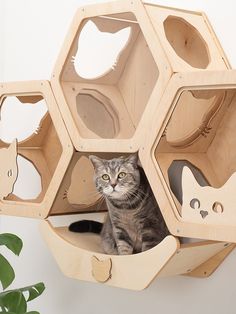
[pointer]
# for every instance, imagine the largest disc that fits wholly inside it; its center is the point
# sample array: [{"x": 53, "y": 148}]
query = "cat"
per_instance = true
[
  {"x": 20, "y": 120},
  {"x": 98, "y": 52},
  {"x": 205, "y": 204},
  {"x": 134, "y": 222},
  {"x": 8, "y": 169}
]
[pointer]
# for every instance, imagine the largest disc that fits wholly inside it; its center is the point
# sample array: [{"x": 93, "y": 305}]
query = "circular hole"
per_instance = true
[
  {"x": 195, "y": 203},
  {"x": 187, "y": 42},
  {"x": 97, "y": 113},
  {"x": 218, "y": 208}
]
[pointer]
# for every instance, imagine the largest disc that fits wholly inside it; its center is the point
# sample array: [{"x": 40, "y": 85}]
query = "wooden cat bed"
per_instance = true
[
  {"x": 79, "y": 256},
  {"x": 48, "y": 148},
  {"x": 161, "y": 73},
  {"x": 113, "y": 107},
  {"x": 195, "y": 124}
]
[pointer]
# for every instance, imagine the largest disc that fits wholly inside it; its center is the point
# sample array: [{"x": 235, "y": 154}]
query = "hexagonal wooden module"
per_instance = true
[
  {"x": 35, "y": 145},
  {"x": 115, "y": 64},
  {"x": 109, "y": 79},
  {"x": 192, "y": 163},
  {"x": 109, "y": 108}
]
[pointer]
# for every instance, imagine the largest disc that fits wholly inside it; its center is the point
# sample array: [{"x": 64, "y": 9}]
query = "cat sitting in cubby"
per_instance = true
[{"x": 134, "y": 222}]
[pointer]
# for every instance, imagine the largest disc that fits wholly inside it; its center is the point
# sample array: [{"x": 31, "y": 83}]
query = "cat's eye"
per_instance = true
[
  {"x": 121, "y": 175},
  {"x": 10, "y": 173},
  {"x": 105, "y": 177},
  {"x": 195, "y": 203}
]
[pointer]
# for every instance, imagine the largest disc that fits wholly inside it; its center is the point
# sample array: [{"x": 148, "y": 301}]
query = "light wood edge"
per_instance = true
[
  {"x": 179, "y": 82},
  {"x": 210, "y": 266},
  {"x": 74, "y": 262},
  {"x": 214, "y": 49},
  {"x": 173, "y": 8},
  {"x": 216, "y": 40},
  {"x": 42, "y": 87},
  {"x": 125, "y": 145}
]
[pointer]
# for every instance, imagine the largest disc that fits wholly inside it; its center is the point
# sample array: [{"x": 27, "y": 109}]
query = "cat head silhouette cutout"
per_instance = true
[
  {"x": 82, "y": 190},
  {"x": 8, "y": 169},
  {"x": 206, "y": 204},
  {"x": 20, "y": 120},
  {"x": 98, "y": 52},
  {"x": 101, "y": 270},
  {"x": 28, "y": 185}
]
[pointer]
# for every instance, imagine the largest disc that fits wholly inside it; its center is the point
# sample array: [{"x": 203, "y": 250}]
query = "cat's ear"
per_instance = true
[
  {"x": 133, "y": 159},
  {"x": 188, "y": 180},
  {"x": 96, "y": 161}
]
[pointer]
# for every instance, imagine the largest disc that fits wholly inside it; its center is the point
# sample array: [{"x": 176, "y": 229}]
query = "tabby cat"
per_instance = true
[{"x": 134, "y": 222}]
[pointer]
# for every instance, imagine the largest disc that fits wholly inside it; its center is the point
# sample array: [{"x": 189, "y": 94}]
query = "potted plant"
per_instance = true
[{"x": 15, "y": 301}]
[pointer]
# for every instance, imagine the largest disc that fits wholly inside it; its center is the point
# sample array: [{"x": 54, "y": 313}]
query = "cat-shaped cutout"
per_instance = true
[
  {"x": 82, "y": 191},
  {"x": 205, "y": 204},
  {"x": 192, "y": 117},
  {"x": 20, "y": 120},
  {"x": 8, "y": 169},
  {"x": 101, "y": 270},
  {"x": 28, "y": 185},
  {"x": 98, "y": 52}
]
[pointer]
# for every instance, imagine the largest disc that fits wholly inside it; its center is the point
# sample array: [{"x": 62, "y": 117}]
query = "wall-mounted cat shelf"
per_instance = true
[
  {"x": 204, "y": 104},
  {"x": 154, "y": 92},
  {"x": 114, "y": 103},
  {"x": 29, "y": 113},
  {"x": 84, "y": 259}
]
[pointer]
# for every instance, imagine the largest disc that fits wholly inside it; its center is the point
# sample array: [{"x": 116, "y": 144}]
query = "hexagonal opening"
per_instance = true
[
  {"x": 108, "y": 102},
  {"x": 30, "y": 167},
  {"x": 78, "y": 195},
  {"x": 199, "y": 134},
  {"x": 186, "y": 41}
]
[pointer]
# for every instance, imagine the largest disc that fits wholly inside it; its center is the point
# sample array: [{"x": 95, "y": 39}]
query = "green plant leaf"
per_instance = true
[
  {"x": 7, "y": 273},
  {"x": 34, "y": 290},
  {"x": 12, "y": 242},
  {"x": 14, "y": 301}
]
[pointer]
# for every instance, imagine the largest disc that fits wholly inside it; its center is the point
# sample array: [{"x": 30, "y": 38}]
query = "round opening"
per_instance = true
[
  {"x": 187, "y": 42},
  {"x": 97, "y": 113}
]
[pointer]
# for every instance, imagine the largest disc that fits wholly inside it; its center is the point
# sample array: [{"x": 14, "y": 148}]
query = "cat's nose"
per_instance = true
[{"x": 113, "y": 185}]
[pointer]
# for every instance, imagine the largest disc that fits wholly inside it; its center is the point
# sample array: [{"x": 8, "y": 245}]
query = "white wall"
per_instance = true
[{"x": 33, "y": 34}]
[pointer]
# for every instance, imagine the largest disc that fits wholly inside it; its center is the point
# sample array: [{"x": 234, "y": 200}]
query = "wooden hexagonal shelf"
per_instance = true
[
  {"x": 190, "y": 157},
  {"x": 115, "y": 64},
  {"x": 43, "y": 149},
  {"x": 131, "y": 101}
]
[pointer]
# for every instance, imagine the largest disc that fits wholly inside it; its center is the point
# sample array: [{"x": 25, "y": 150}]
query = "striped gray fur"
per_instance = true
[{"x": 134, "y": 222}]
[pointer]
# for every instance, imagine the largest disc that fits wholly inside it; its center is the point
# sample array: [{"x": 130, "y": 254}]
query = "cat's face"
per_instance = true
[
  {"x": 116, "y": 178},
  {"x": 8, "y": 169}
]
